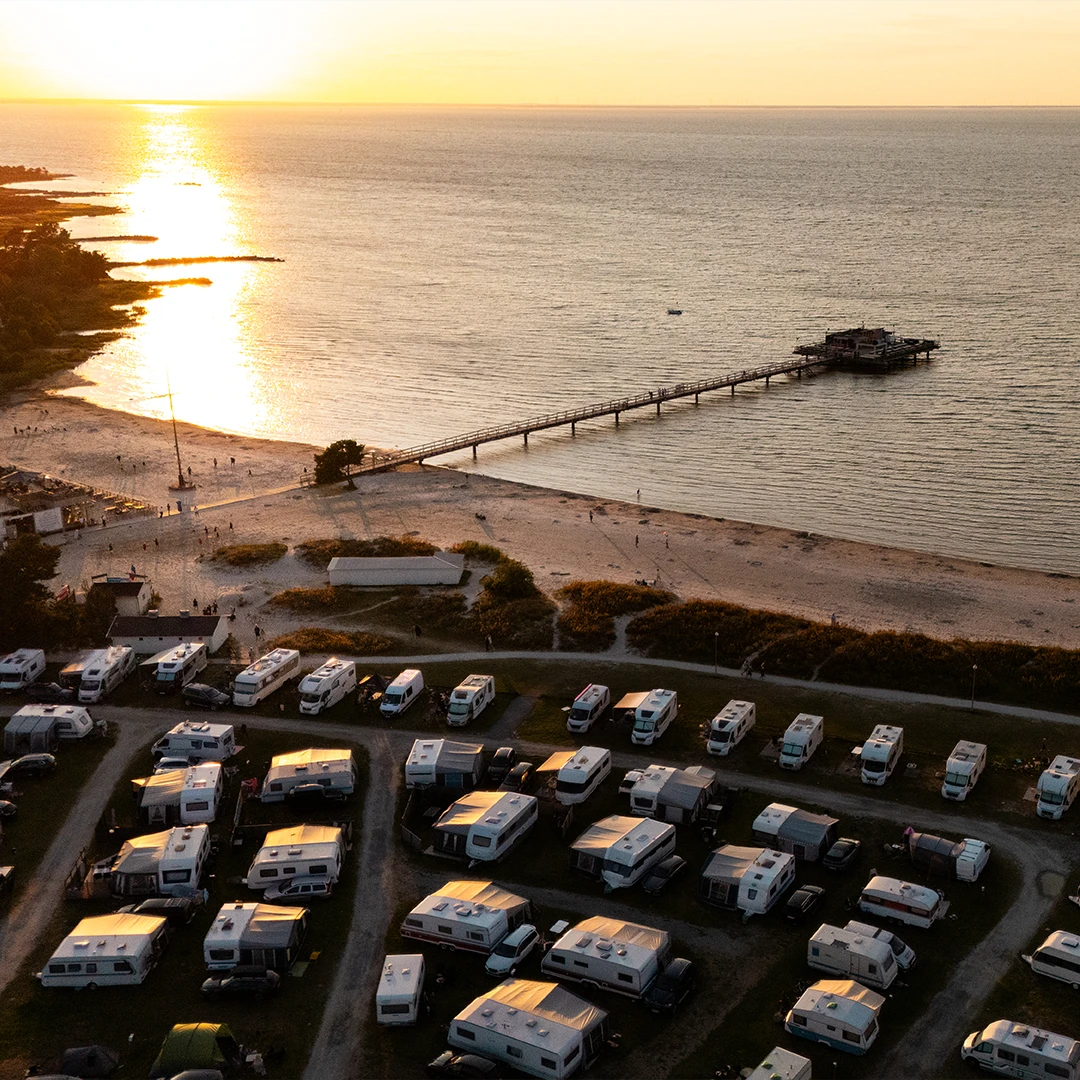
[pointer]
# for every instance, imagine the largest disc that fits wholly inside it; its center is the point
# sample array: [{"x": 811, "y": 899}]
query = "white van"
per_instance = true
[
  {"x": 852, "y": 956},
  {"x": 728, "y": 727},
  {"x": 1020, "y": 1050},
  {"x": 963, "y": 769},
  {"x": 881, "y": 753},
  {"x": 1058, "y": 787},
  {"x": 469, "y": 699},
  {"x": 890, "y": 898},
  {"x": 326, "y": 686},
  {"x": 404, "y": 691},
  {"x": 654, "y": 716},
  {"x": 108, "y": 670},
  {"x": 588, "y": 707},
  {"x": 72, "y": 721},
  {"x": 582, "y": 775},
  {"x": 19, "y": 669},
  {"x": 401, "y": 988},
  {"x": 177, "y": 667},
  {"x": 801, "y": 739},
  {"x": 1058, "y": 957}
]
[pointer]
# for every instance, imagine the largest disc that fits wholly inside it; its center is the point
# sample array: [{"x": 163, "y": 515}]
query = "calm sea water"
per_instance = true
[{"x": 448, "y": 269}]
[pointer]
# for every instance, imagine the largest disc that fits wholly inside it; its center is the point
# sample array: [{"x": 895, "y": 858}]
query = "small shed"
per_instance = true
[
  {"x": 28, "y": 734},
  {"x": 442, "y": 568}
]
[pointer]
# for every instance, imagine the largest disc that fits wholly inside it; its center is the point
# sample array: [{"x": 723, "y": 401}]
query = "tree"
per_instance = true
[
  {"x": 333, "y": 463},
  {"x": 24, "y": 614}
]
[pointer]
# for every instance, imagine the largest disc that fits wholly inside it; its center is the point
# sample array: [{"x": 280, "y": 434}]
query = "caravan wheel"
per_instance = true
[
  {"x": 91, "y": 986},
  {"x": 1076, "y": 986}
]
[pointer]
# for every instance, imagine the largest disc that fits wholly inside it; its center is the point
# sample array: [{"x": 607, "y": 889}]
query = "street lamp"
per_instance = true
[
  {"x": 974, "y": 669},
  {"x": 715, "y": 652}
]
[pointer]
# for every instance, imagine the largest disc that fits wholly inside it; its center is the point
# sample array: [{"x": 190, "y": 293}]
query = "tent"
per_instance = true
[
  {"x": 89, "y": 1061},
  {"x": 935, "y": 853},
  {"x": 196, "y": 1046},
  {"x": 28, "y": 734}
]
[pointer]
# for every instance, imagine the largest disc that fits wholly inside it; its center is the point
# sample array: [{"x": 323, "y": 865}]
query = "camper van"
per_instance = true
[
  {"x": 1057, "y": 787},
  {"x": 105, "y": 673},
  {"x": 1058, "y": 957},
  {"x": 915, "y": 905},
  {"x": 326, "y": 686},
  {"x": 107, "y": 950},
  {"x": 190, "y": 739},
  {"x": 588, "y": 707},
  {"x": 622, "y": 850},
  {"x": 881, "y": 752},
  {"x": 469, "y": 699},
  {"x": 261, "y": 679},
  {"x": 609, "y": 953},
  {"x": 332, "y": 770},
  {"x": 905, "y": 955},
  {"x": 1026, "y": 1052},
  {"x": 729, "y": 726},
  {"x": 179, "y": 666},
  {"x": 72, "y": 721},
  {"x": 470, "y": 915},
  {"x": 485, "y": 826},
  {"x": 401, "y": 988},
  {"x": 19, "y": 669},
  {"x": 963, "y": 769},
  {"x": 310, "y": 851},
  {"x": 582, "y": 775},
  {"x": 654, "y": 716},
  {"x": 801, "y": 739},
  {"x": 852, "y": 956},
  {"x": 404, "y": 691},
  {"x": 840, "y": 1013}
]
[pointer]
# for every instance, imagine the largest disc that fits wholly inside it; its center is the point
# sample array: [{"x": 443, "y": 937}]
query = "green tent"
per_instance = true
[{"x": 196, "y": 1046}]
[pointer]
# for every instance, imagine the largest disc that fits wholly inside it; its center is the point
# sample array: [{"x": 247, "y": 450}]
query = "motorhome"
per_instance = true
[
  {"x": 963, "y": 769},
  {"x": 840, "y": 1013},
  {"x": 676, "y": 795},
  {"x": 622, "y": 850},
  {"x": 179, "y": 666},
  {"x": 537, "y": 1028},
  {"x": 107, "y": 950},
  {"x": 470, "y": 915},
  {"x": 72, "y": 721},
  {"x": 1057, "y": 787},
  {"x": 588, "y": 707},
  {"x": 654, "y": 716},
  {"x": 801, "y": 739},
  {"x": 852, "y": 956},
  {"x": 194, "y": 739},
  {"x": 261, "y": 679},
  {"x": 961, "y": 859},
  {"x": 333, "y": 770},
  {"x": 404, "y": 691},
  {"x": 1021, "y": 1050},
  {"x": 469, "y": 699},
  {"x": 881, "y": 752},
  {"x": 915, "y": 905},
  {"x": 180, "y": 796},
  {"x": 440, "y": 763},
  {"x": 485, "y": 826},
  {"x": 167, "y": 863},
  {"x": 19, "y": 669},
  {"x": 750, "y": 880},
  {"x": 582, "y": 774},
  {"x": 311, "y": 851},
  {"x": 781, "y": 1064},
  {"x": 326, "y": 686},
  {"x": 1058, "y": 957},
  {"x": 905, "y": 955},
  {"x": 400, "y": 990},
  {"x": 257, "y": 935},
  {"x": 802, "y": 834},
  {"x": 729, "y": 726},
  {"x": 614, "y": 955},
  {"x": 106, "y": 672}
]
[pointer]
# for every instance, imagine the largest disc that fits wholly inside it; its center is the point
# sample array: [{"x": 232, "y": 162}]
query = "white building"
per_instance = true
[
  {"x": 106, "y": 950},
  {"x": 442, "y": 568},
  {"x": 153, "y": 633}
]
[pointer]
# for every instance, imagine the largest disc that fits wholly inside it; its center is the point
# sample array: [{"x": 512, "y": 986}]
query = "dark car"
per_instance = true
[
  {"x": 450, "y": 1064},
  {"x": 175, "y": 910},
  {"x": 671, "y": 986},
  {"x": 32, "y": 765},
  {"x": 841, "y": 855},
  {"x": 504, "y": 760},
  {"x": 242, "y": 980},
  {"x": 206, "y": 697},
  {"x": 519, "y": 778},
  {"x": 7, "y": 809},
  {"x": 49, "y": 693},
  {"x": 657, "y": 879},
  {"x": 802, "y": 902}
]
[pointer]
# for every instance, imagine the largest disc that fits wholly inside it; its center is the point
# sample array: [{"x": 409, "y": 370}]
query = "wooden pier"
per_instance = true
[{"x": 874, "y": 349}]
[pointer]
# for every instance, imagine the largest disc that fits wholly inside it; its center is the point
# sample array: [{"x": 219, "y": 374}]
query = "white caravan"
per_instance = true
[
  {"x": 485, "y": 826},
  {"x": 326, "y": 686},
  {"x": 440, "y": 763},
  {"x": 309, "y": 851},
  {"x": 609, "y": 953},
  {"x": 263, "y": 935},
  {"x": 334, "y": 770},
  {"x": 1023, "y": 1051},
  {"x": 106, "y": 950},
  {"x": 72, "y": 721},
  {"x": 915, "y": 905},
  {"x": 19, "y": 669},
  {"x": 194, "y": 739},
  {"x": 750, "y": 880},
  {"x": 881, "y": 752},
  {"x": 680, "y": 796},
  {"x": 588, "y": 707},
  {"x": 469, "y": 699},
  {"x": 840, "y": 1013},
  {"x": 622, "y": 850},
  {"x": 1058, "y": 957},
  {"x": 261, "y": 679},
  {"x": 404, "y": 691},
  {"x": 106, "y": 672},
  {"x": 801, "y": 739},
  {"x": 201, "y": 793},
  {"x": 729, "y": 726},
  {"x": 963, "y": 769},
  {"x": 654, "y": 716},
  {"x": 401, "y": 988},
  {"x": 852, "y": 956},
  {"x": 470, "y": 915},
  {"x": 1057, "y": 787},
  {"x": 582, "y": 775},
  {"x": 781, "y": 1064},
  {"x": 905, "y": 955},
  {"x": 167, "y": 863},
  {"x": 177, "y": 667}
]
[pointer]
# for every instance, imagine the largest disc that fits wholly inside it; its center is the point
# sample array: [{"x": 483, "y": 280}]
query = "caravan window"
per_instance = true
[
  {"x": 198, "y": 805},
  {"x": 175, "y": 877},
  {"x": 390, "y": 1010},
  {"x": 1056, "y": 1070},
  {"x": 288, "y": 869},
  {"x": 271, "y": 872},
  {"x": 122, "y": 967},
  {"x": 573, "y": 1054},
  {"x": 91, "y": 969},
  {"x": 313, "y": 870},
  {"x": 548, "y": 1063},
  {"x": 418, "y": 923},
  {"x": 513, "y": 1051},
  {"x": 555, "y": 959},
  {"x": 465, "y": 1033},
  {"x": 797, "y": 1019},
  {"x": 581, "y": 963},
  {"x": 625, "y": 978},
  {"x": 850, "y": 1036},
  {"x": 74, "y": 967},
  {"x": 445, "y": 929},
  {"x": 481, "y": 841},
  {"x": 56, "y": 969},
  {"x": 222, "y": 954},
  {"x": 475, "y": 935}
]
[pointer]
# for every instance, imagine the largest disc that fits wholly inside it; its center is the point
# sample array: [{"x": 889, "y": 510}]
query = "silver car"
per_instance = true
[{"x": 512, "y": 950}]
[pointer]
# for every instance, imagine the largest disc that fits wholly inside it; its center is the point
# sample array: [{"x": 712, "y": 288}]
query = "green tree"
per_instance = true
[
  {"x": 334, "y": 462},
  {"x": 25, "y": 563}
]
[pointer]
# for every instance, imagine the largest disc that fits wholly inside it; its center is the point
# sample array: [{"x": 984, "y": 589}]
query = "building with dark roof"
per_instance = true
[{"x": 152, "y": 633}]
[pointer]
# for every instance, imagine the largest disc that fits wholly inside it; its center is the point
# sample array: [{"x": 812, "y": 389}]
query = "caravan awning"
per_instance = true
[
  {"x": 802, "y": 827},
  {"x": 481, "y": 892},
  {"x": 599, "y": 837},
  {"x": 684, "y": 789},
  {"x": 141, "y": 854},
  {"x": 161, "y": 790},
  {"x": 729, "y": 863},
  {"x": 273, "y": 927},
  {"x": 549, "y": 1001},
  {"x": 308, "y": 757},
  {"x": 299, "y": 835},
  {"x": 474, "y": 807},
  {"x": 645, "y": 937}
]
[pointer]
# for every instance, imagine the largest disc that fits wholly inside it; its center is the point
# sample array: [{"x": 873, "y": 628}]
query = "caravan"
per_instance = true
[
  {"x": 470, "y": 915},
  {"x": 199, "y": 741},
  {"x": 852, "y": 956},
  {"x": 72, "y": 721},
  {"x": 1057, "y": 787},
  {"x": 107, "y": 950},
  {"x": 469, "y": 699},
  {"x": 806, "y": 836},
  {"x": 309, "y": 851},
  {"x": 326, "y": 686},
  {"x": 915, "y": 905},
  {"x": 750, "y": 880},
  {"x": 611, "y": 954},
  {"x": 801, "y": 739},
  {"x": 881, "y": 752},
  {"x": 654, "y": 716},
  {"x": 104, "y": 672},
  {"x": 177, "y": 667},
  {"x": 963, "y": 769},
  {"x": 729, "y": 726},
  {"x": 680, "y": 796},
  {"x": 622, "y": 850},
  {"x": 401, "y": 988},
  {"x": 255, "y": 935},
  {"x": 582, "y": 775},
  {"x": 162, "y": 864},
  {"x": 180, "y": 796},
  {"x": 201, "y": 793},
  {"x": 1023, "y": 1051},
  {"x": 588, "y": 707},
  {"x": 404, "y": 691},
  {"x": 1058, "y": 957},
  {"x": 440, "y": 763},
  {"x": 781, "y": 1064},
  {"x": 840, "y": 1013},
  {"x": 331, "y": 770},
  {"x": 261, "y": 679},
  {"x": 485, "y": 826},
  {"x": 905, "y": 954},
  {"x": 19, "y": 669}
]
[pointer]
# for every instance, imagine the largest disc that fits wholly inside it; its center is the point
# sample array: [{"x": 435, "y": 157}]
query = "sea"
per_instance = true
[{"x": 447, "y": 269}]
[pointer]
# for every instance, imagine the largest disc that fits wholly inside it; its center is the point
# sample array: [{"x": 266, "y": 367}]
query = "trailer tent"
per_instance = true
[{"x": 196, "y": 1046}]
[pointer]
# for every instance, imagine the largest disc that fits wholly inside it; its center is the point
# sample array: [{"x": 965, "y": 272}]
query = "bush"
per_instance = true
[
  {"x": 318, "y": 553},
  {"x": 318, "y": 639},
  {"x": 484, "y": 553},
  {"x": 589, "y": 620},
  {"x": 515, "y": 624},
  {"x": 433, "y": 611},
  {"x": 325, "y": 598},
  {"x": 510, "y": 580},
  {"x": 240, "y": 555}
]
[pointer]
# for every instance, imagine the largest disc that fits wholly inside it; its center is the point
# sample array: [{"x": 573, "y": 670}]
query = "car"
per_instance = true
[
  {"x": 450, "y": 1064},
  {"x": 842, "y": 854},
  {"x": 242, "y": 980},
  {"x": 7, "y": 809},
  {"x": 802, "y": 902},
  {"x": 175, "y": 910},
  {"x": 315, "y": 792},
  {"x": 670, "y": 987},
  {"x": 299, "y": 888},
  {"x": 629, "y": 780},
  {"x": 32, "y": 765},
  {"x": 504, "y": 760},
  {"x": 167, "y": 764},
  {"x": 519, "y": 778},
  {"x": 49, "y": 693},
  {"x": 206, "y": 697},
  {"x": 657, "y": 879},
  {"x": 512, "y": 950}
]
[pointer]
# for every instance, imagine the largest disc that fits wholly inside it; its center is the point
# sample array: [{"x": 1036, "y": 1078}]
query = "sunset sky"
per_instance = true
[{"x": 567, "y": 52}]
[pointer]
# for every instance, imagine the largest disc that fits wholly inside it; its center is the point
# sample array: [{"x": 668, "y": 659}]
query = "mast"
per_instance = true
[{"x": 181, "y": 483}]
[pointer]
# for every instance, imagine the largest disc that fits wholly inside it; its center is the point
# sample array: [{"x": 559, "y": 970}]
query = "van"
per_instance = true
[
  {"x": 728, "y": 727},
  {"x": 654, "y": 716},
  {"x": 963, "y": 769},
  {"x": 801, "y": 739},
  {"x": 915, "y": 905},
  {"x": 881, "y": 753},
  {"x": 1030, "y": 1053},
  {"x": 326, "y": 686},
  {"x": 72, "y": 721},
  {"x": 179, "y": 666},
  {"x": 1058, "y": 957},
  {"x": 852, "y": 956},
  {"x": 582, "y": 775},
  {"x": 19, "y": 669},
  {"x": 404, "y": 691},
  {"x": 1057, "y": 787},
  {"x": 108, "y": 670},
  {"x": 469, "y": 699},
  {"x": 588, "y": 707}
]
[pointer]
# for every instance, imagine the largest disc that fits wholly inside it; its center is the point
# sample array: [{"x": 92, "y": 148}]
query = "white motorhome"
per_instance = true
[
  {"x": 72, "y": 721},
  {"x": 260, "y": 935},
  {"x": 310, "y": 851},
  {"x": 963, "y": 769},
  {"x": 582, "y": 774},
  {"x": 19, "y": 669},
  {"x": 470, "y": 915},
  {"x": 1020, "y": 1050},
  {"x": 1058, "y": 957},
  {"x": 261, "y": 679},
  {"x": 1057, "y": 787},
  {"x": 106, "y": 672},
  {"x": 107, "y": 950},
  {"x": 841, "y": 1013},
  {"x": 179, "y": 666},
  {"x": 588, "y": 707},
  {"x": 905, "y": 955},
  {"x": 401, "y": 988},
  {"x": 469, "y": 699},
  {"x": 676, "y": 795},
  {"x": 750, "y": 880},
  {"x": 915, "y": 905},
  {"x": 162, "y": 864},
  {"x": 654, "y": 716},
  {"x": 404, "y": 691},
  {"x": 881, "y": 752},
  {"x": 331, "y": 769},
  {"x": 441, "y": 763},
  {"x": 326, "y": 686},
  {"x": 609, "y": 953},
  {"x": 485, "y": 826},
  {"x": 801, "y": 739},
  {"x": 729, "y": 726},
  {"x": 781, "y": 1064},
  {"x": 622, "y": 850},
  {"x": 852, "y": 956},
  {"x": 194, "y": 739}
]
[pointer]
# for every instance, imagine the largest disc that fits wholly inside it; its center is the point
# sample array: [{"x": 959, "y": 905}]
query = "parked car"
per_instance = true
[
  {"x": 32, "y": 765},
  {"x": 657, "y": 879},
  {"x": 670, "y": 987},
  {"x": 519, "y": 778},
  {"x": 842, "y": 854},
  {"x": 802, "y": 902},
  {"x": 167, "y": 764},
  {"x": 206, "y": 697},
  {"x": 176, "y": 910},
  {"x": 629, "y": 780},
  {"x": 512, "y": 950},
  {"x": 450, "y": 1064},
  {"x": 49, "y": 693},
  {"x": 316, "y": 793},
  {"x": 299, "y": 888},
  {"x": 504, "y": 760},
  {"x": 242, "y": 980}
]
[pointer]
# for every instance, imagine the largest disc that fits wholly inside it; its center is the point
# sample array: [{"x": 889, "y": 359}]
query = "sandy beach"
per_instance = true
[{"x": 254, "y": 494}]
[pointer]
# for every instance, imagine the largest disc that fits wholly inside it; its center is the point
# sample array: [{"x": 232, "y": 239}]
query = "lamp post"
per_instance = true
[
  {"x": 974, "y": 669},
  {"x": 715, "y": 652}
]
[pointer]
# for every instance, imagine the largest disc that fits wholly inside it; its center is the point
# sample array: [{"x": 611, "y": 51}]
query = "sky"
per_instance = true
[{"x": 546, "y": 52}]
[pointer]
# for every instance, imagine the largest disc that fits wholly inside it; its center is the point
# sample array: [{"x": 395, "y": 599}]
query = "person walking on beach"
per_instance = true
[
  {"x": 636, "y": 539},
  {"x": 258, "y": 631}
]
